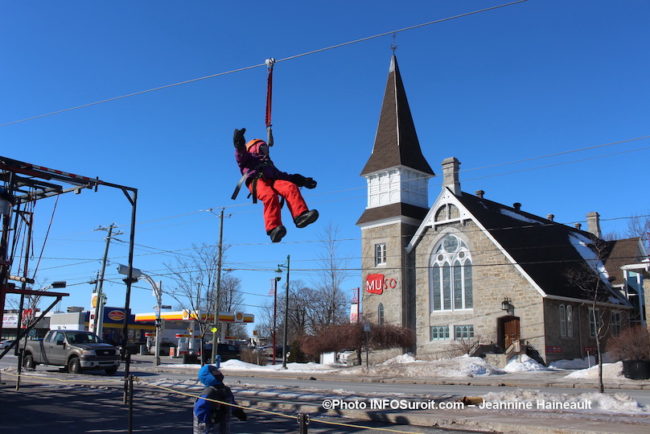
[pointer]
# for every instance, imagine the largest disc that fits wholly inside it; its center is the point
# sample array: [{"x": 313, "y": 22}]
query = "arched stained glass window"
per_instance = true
[{"x": 450, "y": 279}]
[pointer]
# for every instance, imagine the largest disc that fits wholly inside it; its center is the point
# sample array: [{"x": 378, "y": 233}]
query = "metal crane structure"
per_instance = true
[{"x": 22, "y": 184}]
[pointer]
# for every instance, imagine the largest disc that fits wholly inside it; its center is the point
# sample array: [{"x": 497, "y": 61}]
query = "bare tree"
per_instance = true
[
  {"x": 330, "y": 302},
  {"x": 639, "y": 226},
  {"x": 195, "y": 277},
  {"x": 593, "y": 283},
  {"x": 231, "y": 301}
]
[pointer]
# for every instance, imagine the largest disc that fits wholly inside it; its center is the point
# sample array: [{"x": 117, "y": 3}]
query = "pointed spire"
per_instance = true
[{"x": 396, "y": 142}]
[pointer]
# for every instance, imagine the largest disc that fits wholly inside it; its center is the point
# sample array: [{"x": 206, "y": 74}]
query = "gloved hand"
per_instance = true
[
  {"x": 301, "y": 181},
  {"x": 238, "y": 138},
  {"x": 309, "y": 183},
  {"x": 239, "y": 414}
]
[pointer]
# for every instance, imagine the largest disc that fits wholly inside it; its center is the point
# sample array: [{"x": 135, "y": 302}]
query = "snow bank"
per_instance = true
[
  {"x": 406, "y": 366},
  {"x": 523, "y": 363},
  {"x": 610, "y": 370},
  {"x": 238, "y": 365},
  {"x": 573, "y": 364},
  {"x": 402, "y": 358}
]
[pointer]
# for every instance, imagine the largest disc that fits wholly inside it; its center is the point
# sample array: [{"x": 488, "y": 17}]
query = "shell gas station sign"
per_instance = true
[{"x": 186, "y": 315}]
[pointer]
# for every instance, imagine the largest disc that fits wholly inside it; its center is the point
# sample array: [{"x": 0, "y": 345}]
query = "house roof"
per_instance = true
[
  {"x": 547, "y": 251},
  {"x": 396, "y": 142},
  {"x": 620, "y": 253},
  {"x": 392, "y": 210}
]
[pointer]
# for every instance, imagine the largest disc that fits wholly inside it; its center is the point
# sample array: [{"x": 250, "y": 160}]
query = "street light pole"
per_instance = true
[
  {"x": 137, "y": 274},
  {"x": 286, "y": 313},
  {"x": 275, "y": 312}
]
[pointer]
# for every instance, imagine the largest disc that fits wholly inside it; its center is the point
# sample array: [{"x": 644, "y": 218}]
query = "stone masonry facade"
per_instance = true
[
  {"x": 395, "y": 299},
  {"x": 494, "y": 278}
]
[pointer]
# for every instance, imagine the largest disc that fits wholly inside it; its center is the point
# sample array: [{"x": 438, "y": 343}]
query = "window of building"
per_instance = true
[
  {"x": 439, "y": 333},
  {"x": 569, "y": 321},
  {"x": 450, "y": 278},
  {"x": 562, "y": 321},
  {"x": 463, "y": 332},
  {"x": 380, "y": 314},
  {"x": 380, "y": 254},
  {"x": 615, "y": 323}
]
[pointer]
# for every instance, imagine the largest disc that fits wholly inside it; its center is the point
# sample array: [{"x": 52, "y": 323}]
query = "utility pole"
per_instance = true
[
  {"x": 217, "y": 306},
  {"x": 99, "y": 305},
  {"x": 158, "y": 293}
]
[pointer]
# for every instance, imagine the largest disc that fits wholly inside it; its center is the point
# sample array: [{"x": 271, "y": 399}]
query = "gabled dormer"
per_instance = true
[{"x": 397, "y": 173}]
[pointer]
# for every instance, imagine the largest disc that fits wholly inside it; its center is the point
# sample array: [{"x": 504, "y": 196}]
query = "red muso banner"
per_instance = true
[{"x": 377, "y": 283}]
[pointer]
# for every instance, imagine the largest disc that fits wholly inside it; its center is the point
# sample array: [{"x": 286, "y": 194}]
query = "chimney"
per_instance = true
[
  {"x": 593, "y": 223},
  {"x": 516, "y": 206},
  {"x": 578, "y": 226},
  {"x": 550, "y": 217},
  {"x": 480, "y": 193},
  {"x": 450, "y": 171}
]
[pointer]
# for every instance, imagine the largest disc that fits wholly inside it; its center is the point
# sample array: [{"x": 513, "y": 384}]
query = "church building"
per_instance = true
[{"x": 471, "y": 271}]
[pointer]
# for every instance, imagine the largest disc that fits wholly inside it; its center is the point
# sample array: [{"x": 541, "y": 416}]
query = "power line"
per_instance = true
[
  {"x": 245, "y": 68},
  {"x": 556, "y": 154},
  {"x": 230, "y": 267}
]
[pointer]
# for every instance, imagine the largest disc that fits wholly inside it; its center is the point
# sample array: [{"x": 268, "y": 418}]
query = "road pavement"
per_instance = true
[{"x": 155, "y": 399}]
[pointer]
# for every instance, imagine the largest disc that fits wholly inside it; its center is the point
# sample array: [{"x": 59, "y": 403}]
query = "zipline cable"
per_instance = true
[{"x": 245, "y": 68}]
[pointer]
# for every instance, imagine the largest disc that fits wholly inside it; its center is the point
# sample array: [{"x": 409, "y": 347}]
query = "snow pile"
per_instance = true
[
  {"x": 573, "y": 364},
  {"x": 405, "y": 366},
  {"x": 402, "y": 358},
  {"x": 610, "y": 370},
  {"x": 523, "y": 363},
  {"x": 584, "y": 403},
  {"x": 238, "y": 365}
]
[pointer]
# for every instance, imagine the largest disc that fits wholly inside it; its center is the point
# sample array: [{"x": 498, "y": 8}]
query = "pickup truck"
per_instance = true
[{"x": 74, "y": 349}]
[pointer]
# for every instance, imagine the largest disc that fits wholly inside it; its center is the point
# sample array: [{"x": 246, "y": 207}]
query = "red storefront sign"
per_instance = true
[{"x": 377, "y": 283}]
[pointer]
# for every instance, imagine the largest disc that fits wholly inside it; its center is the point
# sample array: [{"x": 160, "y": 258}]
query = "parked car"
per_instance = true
[
  {"x": 75, "y": 349},
  {"x": 226, "y": 351},
  {"x": 5, "y": 343}
]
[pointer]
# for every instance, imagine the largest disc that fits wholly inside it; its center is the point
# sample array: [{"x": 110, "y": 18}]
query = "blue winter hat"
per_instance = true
[{"x": 209, "y": 375}]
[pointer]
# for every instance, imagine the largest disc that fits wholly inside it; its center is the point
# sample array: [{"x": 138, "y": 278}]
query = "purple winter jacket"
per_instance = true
[{"x": 257, "y": 165}]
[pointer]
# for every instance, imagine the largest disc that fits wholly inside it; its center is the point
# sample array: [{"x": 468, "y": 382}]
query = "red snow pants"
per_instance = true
[{"x": 268, "y": 191}]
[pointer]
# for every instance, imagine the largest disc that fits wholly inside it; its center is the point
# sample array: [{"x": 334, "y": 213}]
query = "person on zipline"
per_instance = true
[{"x": 266, "y": 183}]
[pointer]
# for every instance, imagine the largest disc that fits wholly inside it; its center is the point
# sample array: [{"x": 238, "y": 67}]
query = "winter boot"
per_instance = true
[
  {"x": 277, "y": 233},
  {"x": 306, "y": 218}
]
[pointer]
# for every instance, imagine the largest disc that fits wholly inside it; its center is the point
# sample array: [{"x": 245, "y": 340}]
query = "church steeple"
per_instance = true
[
  {"x": 396, "y": 142},
  {"x": 396, "y": 172}
]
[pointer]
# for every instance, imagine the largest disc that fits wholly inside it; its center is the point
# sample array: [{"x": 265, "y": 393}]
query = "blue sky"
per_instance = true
[{"x": 524, "y": 81}]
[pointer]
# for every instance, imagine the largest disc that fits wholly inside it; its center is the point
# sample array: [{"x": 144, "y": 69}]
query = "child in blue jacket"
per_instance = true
[{"x": 212, "y": 417}]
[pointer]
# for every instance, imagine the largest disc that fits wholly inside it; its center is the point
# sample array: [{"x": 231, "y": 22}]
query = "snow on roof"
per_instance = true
[
  {"x": 581, "y": 244},
  {"x": 518, "y": 216}
]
